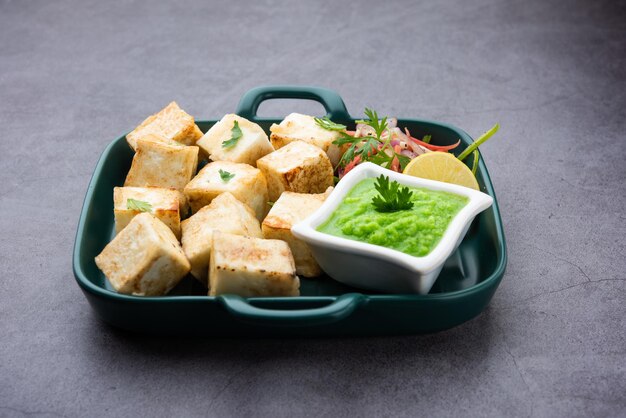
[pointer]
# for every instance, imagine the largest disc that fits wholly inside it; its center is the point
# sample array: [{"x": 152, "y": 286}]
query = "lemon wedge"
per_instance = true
[{"x": 441, "y": 166}]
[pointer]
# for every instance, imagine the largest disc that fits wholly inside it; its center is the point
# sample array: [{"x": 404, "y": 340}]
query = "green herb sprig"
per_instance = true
[
  {"x": 329, "y": 125},
  {"x": 391, "y": 197},
  {"x": 140, "y": 205},
  {"x": 225, "y": 175},
  {"x": 235, "y": 136},
  {"x": 372, "y": 147}
]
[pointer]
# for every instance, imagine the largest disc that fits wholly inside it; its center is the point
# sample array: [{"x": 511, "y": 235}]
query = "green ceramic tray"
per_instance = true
[{"x": 464, "y": 288}]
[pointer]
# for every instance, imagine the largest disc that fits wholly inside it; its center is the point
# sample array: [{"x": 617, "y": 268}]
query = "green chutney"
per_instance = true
[{"x": 414, "y": 231}]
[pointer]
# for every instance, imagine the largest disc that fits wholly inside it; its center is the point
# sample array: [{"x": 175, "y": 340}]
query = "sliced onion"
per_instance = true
[
  {"x": 400, "y": 135},
  {"x": 365, "y": 130},
  {"x": 402, "y": 138},
  {"x": 431, "y": 147},
  {"x": 416, "y": 148}
]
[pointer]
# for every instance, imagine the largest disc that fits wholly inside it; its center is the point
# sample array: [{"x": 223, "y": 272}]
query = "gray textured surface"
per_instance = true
[{"x": 74, "y": 75}]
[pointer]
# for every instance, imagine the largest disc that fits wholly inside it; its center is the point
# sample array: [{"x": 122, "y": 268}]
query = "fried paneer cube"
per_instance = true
[
  {"x": 171, "y": 123},
  {"x": 245, "y": 182},
  {"x": 225, "y": 213},
  {"x": 248, "y": 267},
  {"x": 158, "y": 139},
  {"x": 161, "y": 165},
  {"x": 144, "y": 259},
  {"x": 245, "y": 143},
  {"x": 165, "y": 204},
  {"x": 299, "y": 127},
  {"x": 297, "y": 167},
  {"x": 288, "y": 210}
]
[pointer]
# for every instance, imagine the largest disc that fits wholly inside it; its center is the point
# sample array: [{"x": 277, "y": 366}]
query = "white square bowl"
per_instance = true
[{"x": 374, "y": 267}]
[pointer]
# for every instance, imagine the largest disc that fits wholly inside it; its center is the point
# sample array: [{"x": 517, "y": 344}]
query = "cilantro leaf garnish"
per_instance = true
[
  {"x": 379, "y": 125},
  {"x": 375, "y": 147},
  {"x": 361, "y": 147},
  {"x": 139, "y": 205},
  {"x": 225, "y": 175},
  {"x": 391, "y": 197},
  {"x": 236, "y": 135},
  {"x": 329, "y": 125}
]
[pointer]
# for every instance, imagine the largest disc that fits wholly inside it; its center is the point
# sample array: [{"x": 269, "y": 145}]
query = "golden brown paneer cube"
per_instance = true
[
  {"x": 289, "y": 209},
  {"x": 171, "y": 123},
  {"x": 223, "y": 142},
  {"x": 158, "y": 139},
  {"x": 225, "y": 213},
  {"x": 299, "y": 127},
  {"x": 161, "y": 165},
  {"x": 297, "y": 167},
  {"x": 249, "y": 267},
  {"x": 144, "y": 259},
  {"x": 165, "y": 204},
  {"x": 245, "y": 182}
]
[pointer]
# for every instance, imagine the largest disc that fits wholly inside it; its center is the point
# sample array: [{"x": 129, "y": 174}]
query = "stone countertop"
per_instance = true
[{"x": 75, "y": 75}]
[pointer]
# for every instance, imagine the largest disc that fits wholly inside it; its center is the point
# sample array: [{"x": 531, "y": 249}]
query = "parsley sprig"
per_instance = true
[
  {"x": 329, "y": 125},
  {"x": 235, "y": 135},
  {"x": 371, "y": 148},
  {"x": 391, "y": 197},
  {"x": 140, "y": 205}
]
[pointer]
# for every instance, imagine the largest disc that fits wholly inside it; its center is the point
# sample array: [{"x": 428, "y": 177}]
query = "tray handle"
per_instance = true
[
  {"x": 332, "y": 102},
  {"x": 339, "y": 309}
]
